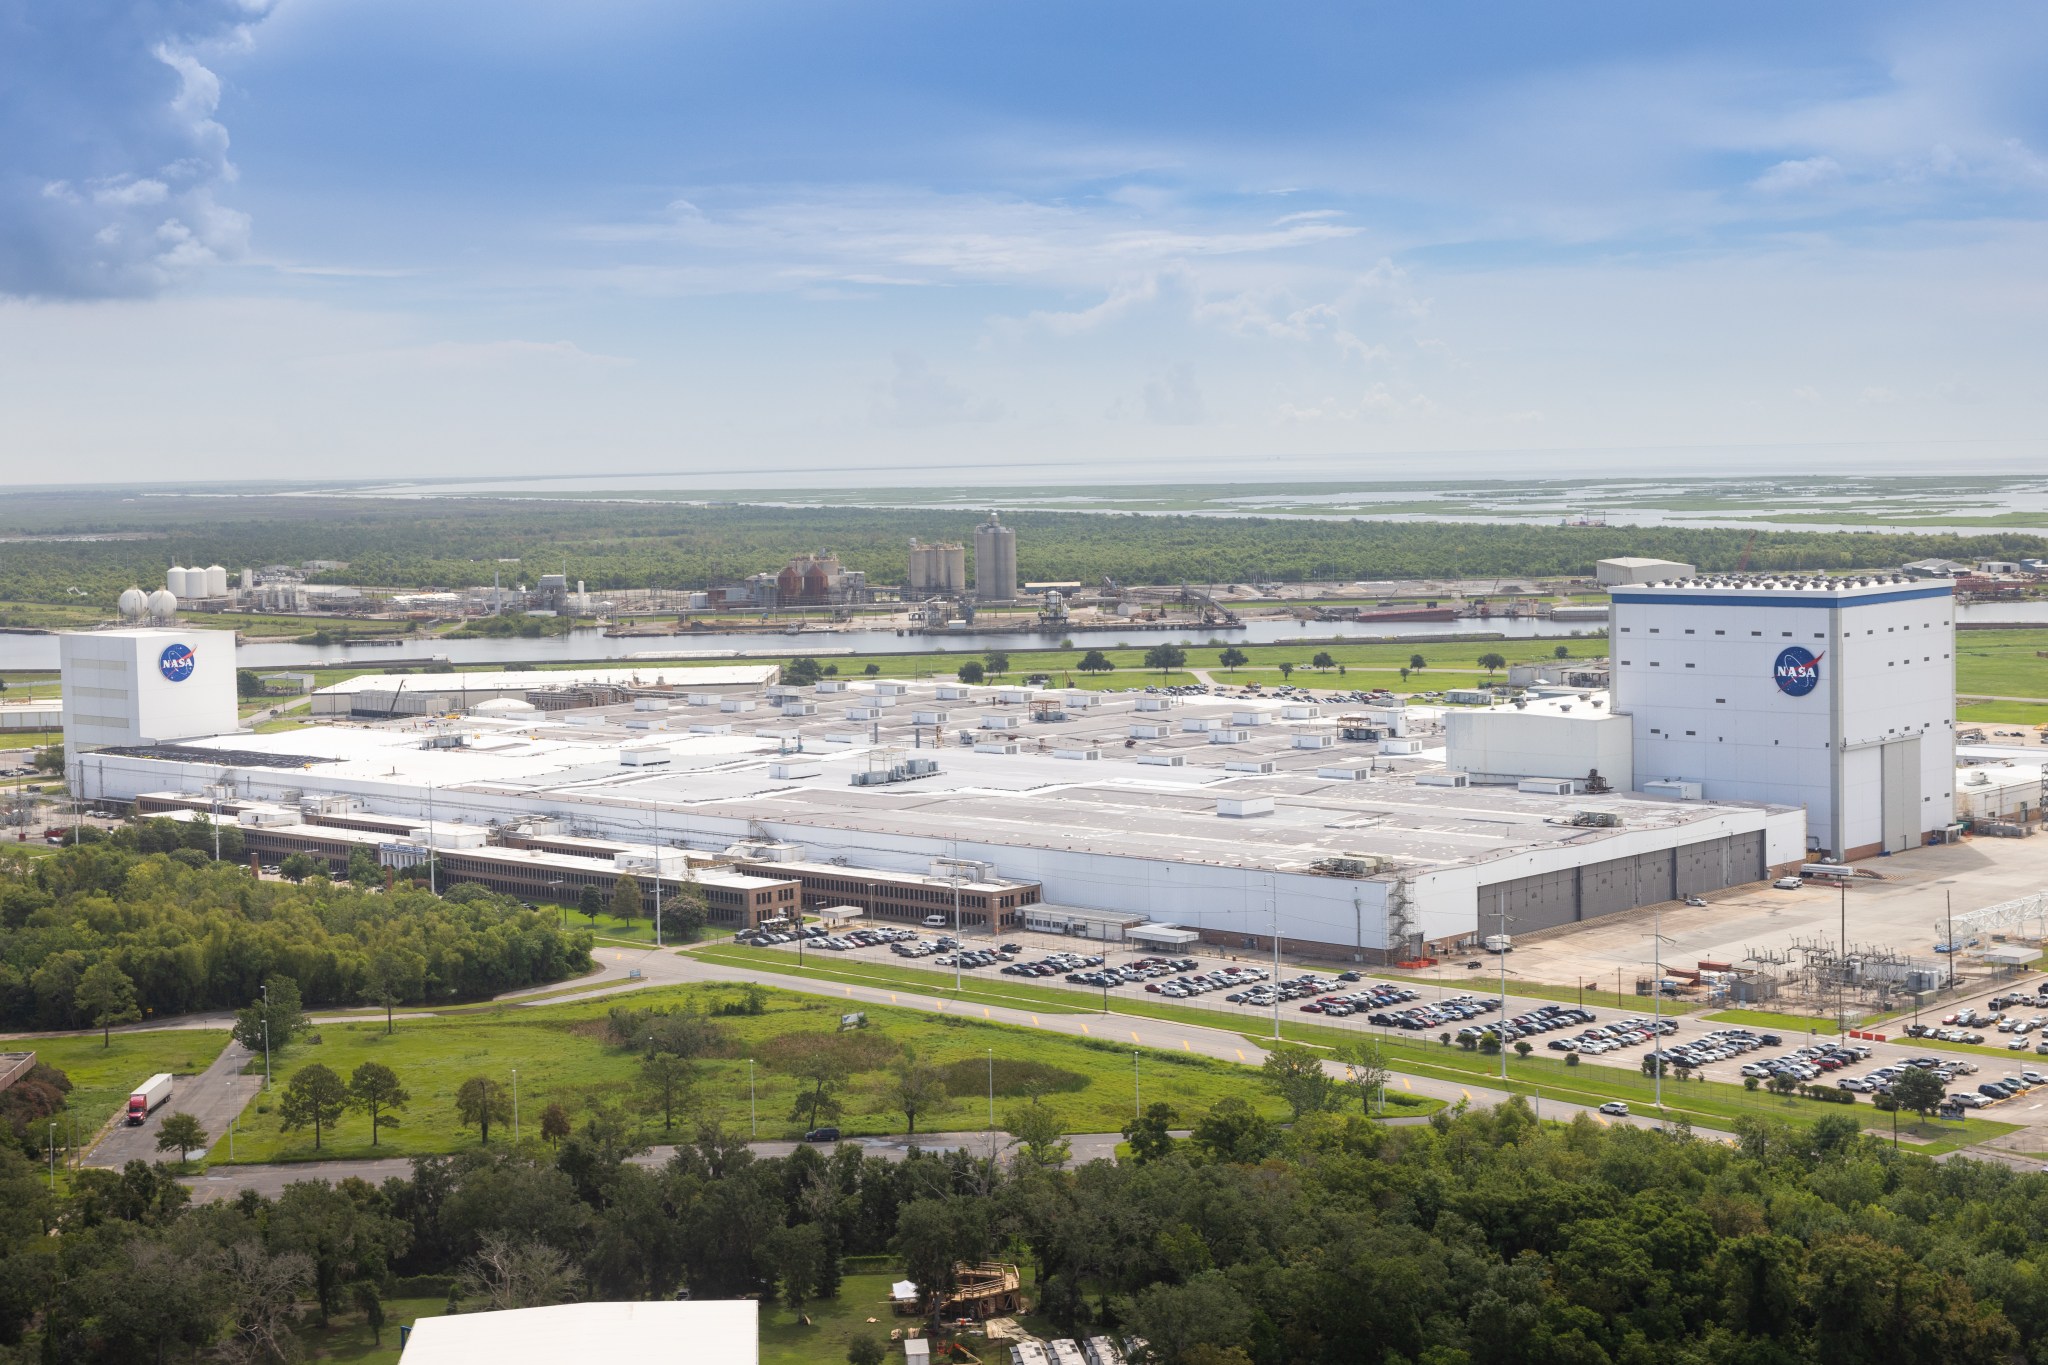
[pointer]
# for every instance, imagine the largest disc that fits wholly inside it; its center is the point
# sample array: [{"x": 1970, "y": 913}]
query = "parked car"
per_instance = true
[
  {"x": 1787, "y": 884},
  {"x": 1615, "y": 1108}
]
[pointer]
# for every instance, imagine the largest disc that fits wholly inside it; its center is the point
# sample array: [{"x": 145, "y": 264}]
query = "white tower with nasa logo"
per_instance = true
[
  {"x": 146, "y": 686},
  {"x": 1836, "y": 694}
]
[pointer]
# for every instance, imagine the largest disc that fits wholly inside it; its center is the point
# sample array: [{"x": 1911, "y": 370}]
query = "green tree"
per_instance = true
[
  {"x": 363, "y": 868},
  {"x": 1417, "y": 662},
  {"x": 182, "y": 1134},
  {"x": 1562, "y": 652},
  {"x": 1165, "y": 658},
  {"x": 280, "y": 1005},
  {"x": 371, "y": 1305},
  {"x": 1404, "y": 675},
  {"x": 1781, "y": 1083},
  {"x": 666, "y": 1084},
  {"x": 1095, "y": 661},
  {"x": 480, "y": 1102},
  {"x": 590, "y": 904},
  {"x": 554, "y": 1123},
  {"x": 1233, "y": 1132},
  {"x": 106, "y": 996},
  {"x": 1149, "y": 1134},
  {"x": 1365, "y": 1070},
  {"x": 996, "y": 663},
  {"x": 915, "y": 1087},
  {"x": 394, "y": 974},
  {"x": 970, "y": 673},
  {"x": 865, "y": 1348},
  {"x": 373, "y": 1088},
  {"x": 795, "y": 1257},
  {"x": 1323, "y": 660},
  {"x": 626, "y": 903},
  {"x": 1036, "y": 1126},
  {"x": 1492, "y": 663},
  {"x": 247, "y": 684},
  {"x": 296, "y": 867},
  {"x": 50, "y": 759},
  {"x": 1233, "y": 658},
  {"x": 1919, "y": 1090},
  {"x": 686, "y": 912},
  {"x": 315, "y": 1098},
  {"x": 802, "y": 672},
  {"x": 1287, "y": 671},
  {"x": 1296, "y": 1074}
]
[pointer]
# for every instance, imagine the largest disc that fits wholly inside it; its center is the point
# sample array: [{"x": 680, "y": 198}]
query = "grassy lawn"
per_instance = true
[
  {"x": 349, "y": 1341},
  {"x": 2027, "y": 713},
  {"x": 786, "y": 1341},
  {"x": 2002, "y": 663},
  {"x": 1711, "y": 1104},
  {"x": 1784, "y": 1023},
  {"x": 562, "y": 1055},
  {"x": 102, "y": 1078}
]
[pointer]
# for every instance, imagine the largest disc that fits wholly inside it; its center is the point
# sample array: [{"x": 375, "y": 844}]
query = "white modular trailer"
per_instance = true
[
  {"x": 1837, "y": 695},
  {"x": 1505, "y": 745},
  {"x": 145, "y": 686}
]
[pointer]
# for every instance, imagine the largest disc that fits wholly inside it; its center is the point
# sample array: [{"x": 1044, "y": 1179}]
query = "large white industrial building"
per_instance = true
[
  {"x": 146, "y": 686},
  {"x": 1835, "y": 694}
]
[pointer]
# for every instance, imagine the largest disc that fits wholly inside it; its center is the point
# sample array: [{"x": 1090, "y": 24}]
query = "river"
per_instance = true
[{"x": 21, "y": 652}]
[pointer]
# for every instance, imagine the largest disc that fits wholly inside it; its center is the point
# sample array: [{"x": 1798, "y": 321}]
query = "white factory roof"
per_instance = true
[
  {"x": 1031, "y": 799},
  {"x": 535, "y": 680},
  {"x": 1819, "y": 588},
  {"x": 716, "y": 1332}
]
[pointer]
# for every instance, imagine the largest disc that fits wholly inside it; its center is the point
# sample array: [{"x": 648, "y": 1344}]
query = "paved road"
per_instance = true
[{"x": 213, "y": 1097}]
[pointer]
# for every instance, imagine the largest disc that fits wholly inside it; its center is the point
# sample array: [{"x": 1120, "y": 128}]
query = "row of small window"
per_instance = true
[
  {"x": 1784, "y": 634},
  {"x": 1723, "y": 738},
  {"x": 1888, "y": 663}
]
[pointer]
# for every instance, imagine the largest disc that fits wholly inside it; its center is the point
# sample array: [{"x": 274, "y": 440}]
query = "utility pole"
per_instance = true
[
  {"x": 266, "y": 1035},
  {"x": 1503, "y": 956},
  {"x": 515, "y": 1106},
  {"x": 753, "y": 1114}
]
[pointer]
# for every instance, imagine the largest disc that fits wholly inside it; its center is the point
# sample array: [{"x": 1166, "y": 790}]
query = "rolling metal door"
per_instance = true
[
  {"x": 1543, "y": 901},
  {"x": 1902, "y": 817},
  {"x": 1655, "y": 876}
]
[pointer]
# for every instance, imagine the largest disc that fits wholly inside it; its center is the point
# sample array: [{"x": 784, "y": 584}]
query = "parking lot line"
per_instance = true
[{"x": 1134, "y": 1035}]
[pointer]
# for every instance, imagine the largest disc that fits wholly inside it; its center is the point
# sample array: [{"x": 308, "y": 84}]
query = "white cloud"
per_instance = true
[
  {"x": 1794, "y": 177},
  {"x": 1174, "y": 398},
  {"x": 918, "y": 396}
]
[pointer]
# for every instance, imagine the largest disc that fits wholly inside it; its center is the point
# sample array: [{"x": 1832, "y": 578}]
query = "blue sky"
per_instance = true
[{"x": 328, "y": 238}]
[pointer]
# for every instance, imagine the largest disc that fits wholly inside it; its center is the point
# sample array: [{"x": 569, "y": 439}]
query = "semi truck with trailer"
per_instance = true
[{"x": 148, "y": 1097}]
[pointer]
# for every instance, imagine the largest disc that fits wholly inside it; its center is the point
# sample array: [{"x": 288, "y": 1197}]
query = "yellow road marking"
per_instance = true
[
  {"x": 1134, "y": 1035},
  {"x": 1467, "y": 1094},
  {"x": 1240, "y": 1054},
  {"x": 985, "y": 1014},
  {"x": 1084, "y": 1027},
  {"x": 1034, "y": 1021},
  {"x": 1405, "y": 1085},
  {"x": 1184, "y": 1046},
  {"x": 892, "y": 997}
]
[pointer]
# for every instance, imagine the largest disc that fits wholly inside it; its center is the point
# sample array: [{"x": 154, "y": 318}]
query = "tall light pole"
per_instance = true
[
  {"x": 515, "y": 1106},
  {"x": 753, "y": 1112},
  {"x": 991, "y": 1104},
  {"x": 1137, "y": 1100},
  {"x": 266, "y": 1035}
]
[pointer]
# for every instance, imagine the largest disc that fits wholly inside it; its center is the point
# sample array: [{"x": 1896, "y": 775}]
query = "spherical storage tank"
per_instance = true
[
  {"x": 164, "y": 603},
  {"x": 134, "y": 602},
  {"x": 216, "y": 581}
]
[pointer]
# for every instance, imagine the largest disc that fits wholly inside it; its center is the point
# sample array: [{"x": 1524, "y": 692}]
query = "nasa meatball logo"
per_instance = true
[
  {"x": 176, "y": 662},
  {"x": 1797, "y": 671}
]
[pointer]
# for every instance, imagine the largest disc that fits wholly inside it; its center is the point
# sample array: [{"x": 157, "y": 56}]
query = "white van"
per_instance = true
[{"x": 934, "y": 921}]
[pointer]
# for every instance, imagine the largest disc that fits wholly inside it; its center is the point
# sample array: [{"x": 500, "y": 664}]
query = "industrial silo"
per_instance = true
[
  {"x": 995, "y": 561},
  {"x": 174, "y": 582},
  {"x": 216, "y": 581}
]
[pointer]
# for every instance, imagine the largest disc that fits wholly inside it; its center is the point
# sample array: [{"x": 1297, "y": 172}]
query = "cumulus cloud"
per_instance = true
[
  {"x": 114, "y": 156},
  {"x": 918, "y": 396},
  {"x": 1793, "y": 177}
]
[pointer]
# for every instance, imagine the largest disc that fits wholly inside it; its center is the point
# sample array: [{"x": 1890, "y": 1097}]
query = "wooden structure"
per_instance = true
[{"x": 990, "y": 1290}]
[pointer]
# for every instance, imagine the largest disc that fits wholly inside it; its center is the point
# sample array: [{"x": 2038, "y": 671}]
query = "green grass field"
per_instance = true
[
  {"x": 1782, "y": 1023},
  {"x": 561, "y": 1055},
  {"x": 2002, "y": 663},
  {"x": 102, "y": 1078},
  {"x": 2033, "y": 715}
]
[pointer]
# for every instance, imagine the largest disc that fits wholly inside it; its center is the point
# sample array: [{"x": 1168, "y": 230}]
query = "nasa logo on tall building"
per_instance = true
[
  {"x": 1797, "y": 671},
  {"x": 176, "y": 662}
]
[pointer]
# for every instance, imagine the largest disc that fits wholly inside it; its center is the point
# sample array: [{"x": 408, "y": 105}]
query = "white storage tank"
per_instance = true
[
  {"x": 163, "y": 604},
  {"x": 134, "y": 602},
  {"x": 174, "y": 582},
  {"x": 216, "y": 581}
]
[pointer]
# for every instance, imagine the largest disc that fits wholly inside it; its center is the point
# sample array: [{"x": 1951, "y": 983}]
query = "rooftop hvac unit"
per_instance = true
[
  {"x": 639, "y": 722},
  {"x": 1229, "y": 736},
  {"x": 710, "y": 728},
  {"x": 1674, "y": 788},
  {"x": 1345, "y": 774},
  {"x": 863, "y": 713},
  {"x": 892, "y": 689},
  {"x": 1546, "y": 786},
  {"x": 1013, "y": 696},
  {"x": 1244, "y": 805},
  {"x": 1263, "y": 767},
  {"x": 1090, "y": 755},
  {"x": 844, "y": 737},
  {"x": 1158, "y": 703},
  {"x": 828, "y": 687},
  {"x": 1196, "y": 725},
  {"x": 1314, "y": 741},
  {"x": 650, "y": 703},
  {"x": 1301, "y": 712},
  {"x": 644, "y": 756},
  {"x": 998, "y": 722},
  {"x": 703, "y": 698},
  {"x": 951, "y": 692},
  {"x": 1082, "y": 701},
  {"x": 799, "y": 708},
  {"x": 736, "y": 704},
  {"x": 927, "y": 717},
  {"x": 1442, "y": 780},
  {"x": 1400, "y": 745},
  {"x": 1147, "y": 730},
  {"x": 1163, "y": 760},
  {"x": 782, "y": 692},
  {"x": 1251, "y": 718},
  {"x": 996, "y": 747}
]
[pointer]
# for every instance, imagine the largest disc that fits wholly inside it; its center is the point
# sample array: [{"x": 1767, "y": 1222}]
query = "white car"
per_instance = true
[{"x": 1615, "y": 1109}]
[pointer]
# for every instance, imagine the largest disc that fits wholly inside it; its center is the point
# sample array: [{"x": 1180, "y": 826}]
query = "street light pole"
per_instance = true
[
  {"x": 1137, "y": 1100},
  {"x": 515, "y": 1106},
  {"x": 266, "y": 1035},
  {"x": 753, "y": 1113}
]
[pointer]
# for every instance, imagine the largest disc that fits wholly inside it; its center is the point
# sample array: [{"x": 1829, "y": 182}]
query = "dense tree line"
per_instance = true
[
  {"x": 458, "y": 542},
  {"x": 1479, "y": 1238},
  {"x": 103, "y": 933}
]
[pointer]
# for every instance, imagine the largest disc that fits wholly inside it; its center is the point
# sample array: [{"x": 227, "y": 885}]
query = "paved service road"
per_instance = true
[{"x": 213, "y": 1097}]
